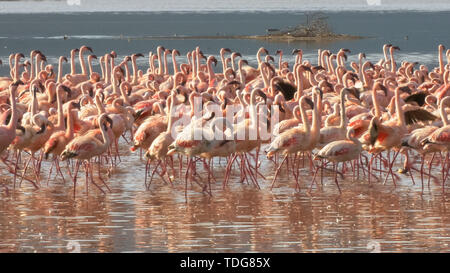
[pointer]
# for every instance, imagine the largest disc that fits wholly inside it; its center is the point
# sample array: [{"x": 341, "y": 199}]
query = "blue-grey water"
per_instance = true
[
  {"x": 418, "y": 34},
  {"x": 241, "y": 218}
]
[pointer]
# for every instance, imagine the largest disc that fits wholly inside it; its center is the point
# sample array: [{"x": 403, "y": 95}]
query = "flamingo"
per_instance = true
[
  {"x": 85, "y": 148},
  {"x": 296, "y": 139},
  {"x": 341, "y": 151}
]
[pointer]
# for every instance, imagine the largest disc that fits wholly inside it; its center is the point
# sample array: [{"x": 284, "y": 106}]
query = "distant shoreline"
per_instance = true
[{"x": 252, "y": 37}]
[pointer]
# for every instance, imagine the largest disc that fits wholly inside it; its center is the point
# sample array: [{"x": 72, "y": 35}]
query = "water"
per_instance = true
[
  {"x": 240, "y": 218},
  {"x": 128, "y": 33}
]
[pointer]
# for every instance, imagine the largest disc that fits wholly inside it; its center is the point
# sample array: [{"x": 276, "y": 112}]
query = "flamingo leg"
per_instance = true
[
  {"x": 390, "y": 172},
  {"x": 335, "y": 178},
  {"x": 100, "y": 176},
  {"x": 278, "y": 170}
]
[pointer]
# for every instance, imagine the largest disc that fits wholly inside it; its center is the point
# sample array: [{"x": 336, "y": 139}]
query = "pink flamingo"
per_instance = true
[
  {"x": 341, "y": 151},
  {"x": 296, "y": 139},
  {"x": 84, "y": 148}
]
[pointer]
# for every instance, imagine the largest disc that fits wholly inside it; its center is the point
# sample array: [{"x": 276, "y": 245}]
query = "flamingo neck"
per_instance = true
[
  {"x": 212, "y": 75},
  {"x": 170, "y": 113},
  {"x": 175, "y": 66},
  {"x": 102, "y": 68},
  {"x": 107, "y": 70},
  {"x": 385, "y": 51},
  {"x": 343, "y": 116},
  {"x": 315, "y": 126},
  {"x": 258, "y": 57},
  {"x": 60, "y": 111},
  {"x": 303, "y": 115},
  {"x": 393, "y": 64},
  {"x": 90, "y": 66},
  {"x": 198, "y": 64},
  {"x": 31, "y": 68},
  {"x": 16, "y": 70},
  {"x": 194, "y": 66},
  {"x": 60, "y": 71},
  {"x": 13, "y": 122},
  {"x": 376, "y": 105},
  {"x": 82, "y": 62},
  {"x": 441, "y": 60},
  {"x": 127, "y": 72},
  {"x": 69, "y": 129},
  {"x": 399, "y": 109},
  {"x": 299, "y": 82},
  {"x": 104, "y": 135},
  {"x": 331, "y": 65},
  {"x": 99, "y": 104},
  {"x": 264, "y": 76},
  {"x": 124, "y": 94},
  {"x": 72, "y": 63},
  {"x": 241, "y": 75},
  {"x": 319, "y": 57},
  {"x": 443, "y": 113},
  {"x": 166, "y": 68},
  {"x": 34, "y": 103},
  {"x": 159, "y": 61}
]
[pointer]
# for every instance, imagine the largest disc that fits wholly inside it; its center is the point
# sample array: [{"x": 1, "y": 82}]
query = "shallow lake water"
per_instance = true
[{"x": 241, "y": 218}]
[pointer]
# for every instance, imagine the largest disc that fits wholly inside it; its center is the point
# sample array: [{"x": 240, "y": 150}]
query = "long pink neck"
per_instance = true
[
  {"x": 441, "y": 60},
  {"x": 82, "y": 62},
  {"x": 135, "y": 70},
  {"x": 69, "y": 129},
  {"x": 16, "y": 69},
  {"x": 160, "y": 61},
  {"x": 212, "y": 75},
  {"x": 174, "y": 63},
  {"x": 315, "y": 130},
  {"x": 90, "y": 65},
  {"x": 299, "y": 74},
  {"x": 60, "y": 70},
  {"x": 60, "y": 125},
  {"x": 32, "y": 65},
  {"x": 194, "y": 66},
  {"x": 393, "y": 64},
  {"x": 399, "y": 109},
  {"x": 264, "y": 76},
  {"x": 99, "y": 104},
  {"x": 107, "y": 71},
  {"x": 13, "y": 122},
  {"x": 222, "y": 58},
  {"x": 198, "y": 63},
  {"x": 124, "y": 86},
  {"x": 303, "y": 115},
  {"x": 166, "y": 67},
  {"x": 72, "y": 63}
]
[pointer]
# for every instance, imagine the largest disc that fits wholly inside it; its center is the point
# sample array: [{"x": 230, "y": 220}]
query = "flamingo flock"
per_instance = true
[{"x": 194, "y": 116}]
